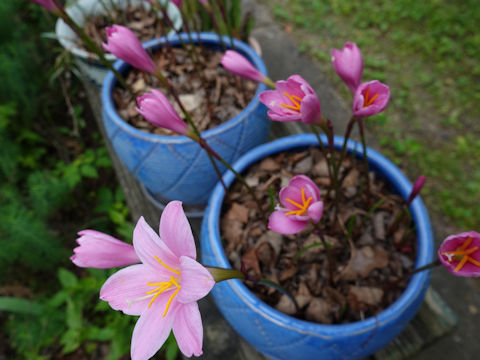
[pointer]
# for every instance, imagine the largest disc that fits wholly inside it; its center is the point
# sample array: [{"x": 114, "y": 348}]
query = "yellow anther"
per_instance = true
[
  {"x": 168, "y": 267},
  {"x": 170, "y": 300},
  {"x": 367, "y": 101},
  {"x": 302, "y": 208},
  {"x": 296, "y": 100},
  {"x": 461, "y": 263},
  {"x": 466, "y": 243}
]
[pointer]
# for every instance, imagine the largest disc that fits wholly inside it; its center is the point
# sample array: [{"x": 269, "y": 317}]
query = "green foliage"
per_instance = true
[{"x": 71, "y": 318}]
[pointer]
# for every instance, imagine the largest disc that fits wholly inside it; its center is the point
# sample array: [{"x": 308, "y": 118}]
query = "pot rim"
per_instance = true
[
  {"x": 206, "y": 38},
  {"x": 77, "y": 12},
  {"x": 392, "y": 174}
]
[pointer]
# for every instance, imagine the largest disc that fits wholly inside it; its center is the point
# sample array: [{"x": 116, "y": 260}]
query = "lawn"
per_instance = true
[{"x": 427, "y": 52}]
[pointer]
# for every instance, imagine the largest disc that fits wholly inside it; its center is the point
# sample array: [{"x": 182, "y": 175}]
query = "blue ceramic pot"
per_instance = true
[
  {"x": 175, "y": 167},
  {"x": 280, "y": 336}
]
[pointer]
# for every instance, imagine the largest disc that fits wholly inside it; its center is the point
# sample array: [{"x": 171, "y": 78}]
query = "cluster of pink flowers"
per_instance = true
[{"x": 163, "y": 281}]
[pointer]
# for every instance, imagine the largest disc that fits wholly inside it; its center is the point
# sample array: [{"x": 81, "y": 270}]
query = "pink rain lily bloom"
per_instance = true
[
  {"x": 123, "y": 43},
  {"x": 292, "y": 100},
  {"x": 102, "y": 251},
  {"x": 370, "y": 98},
  {"x": 460, "y": 254},
  {"x": 47, "y": 4},
  {"x": 164, "y": 288},
  {"x": 301, "y": 203},
  {"x": 156, "y": 108},
  {"x": 237, "y": 64},
  {"x": 348, "y": 64}
]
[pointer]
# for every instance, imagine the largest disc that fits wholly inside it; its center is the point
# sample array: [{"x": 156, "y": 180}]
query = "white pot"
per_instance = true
[{"x": 88, "y": 63}]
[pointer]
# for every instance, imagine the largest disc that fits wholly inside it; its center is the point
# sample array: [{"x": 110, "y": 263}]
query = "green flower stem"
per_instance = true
[
  {"x": 210, "y": 13},
  {"x": 226, "y": 22},
  {"x": 433, "y": 264},
  {"x": 269, "y": 82},
  {"x": 92, "y": 46},
  {"x": 191, "y": 53},
  {"x": 329, "y": 159},
  {"x": 348, "y": 131},
  {"x": 330, "y": 264},
  {"x": 239, "y": 177},
  {"x": 407, "y": 274},
  {"x": 221, "y": 274},
  {"x": 365, "y": 158}
]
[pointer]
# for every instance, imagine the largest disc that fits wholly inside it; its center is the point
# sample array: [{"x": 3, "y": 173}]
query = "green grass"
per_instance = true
[{"x": 427, "y": 52}]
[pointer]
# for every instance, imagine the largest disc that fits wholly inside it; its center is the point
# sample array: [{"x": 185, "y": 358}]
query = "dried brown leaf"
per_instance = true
[
  {"x": 366, "y": 294},
  {"x": 363, "y": 261}
]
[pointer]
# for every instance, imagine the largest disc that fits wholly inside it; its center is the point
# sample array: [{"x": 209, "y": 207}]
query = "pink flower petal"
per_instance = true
[
  {"x": 196, "y": 280},
  {"x": 152, "y": 329},
  {"x": 282, "y": 224},
  {"x": 175, "y": 231},
  {"x": 291, "y": 87},
  {"x": 276, "y": 116},
  {"x": 130, "y": 284},
  {"x": 315, "y": 211},
  {"x": 303, "y": 181},
  {"x": 188, "y": 330},
  {"x": 147, "y": 245},
  {"x": 102, "y": 251},
  {"x": 310, "y": 110},
  {"x": 293, "y": 193}
]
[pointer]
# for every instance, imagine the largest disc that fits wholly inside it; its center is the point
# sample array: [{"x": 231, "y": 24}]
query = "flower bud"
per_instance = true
[
  {"x": 348, "y": 64},
  {"x": 156, "y": 108},
  {"x": 123, "y": 43}
]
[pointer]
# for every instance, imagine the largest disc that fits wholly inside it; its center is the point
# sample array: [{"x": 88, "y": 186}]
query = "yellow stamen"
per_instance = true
[
  {"x": 302, "y": 208},
  {"x": 168, "y": 267},
  {"x": 296, "y": 100},
  {"x": 473, "y": 261},
  {"x": 465, "y": 252},
  {"x": 367, "y": 101},
  {"x": 462, "y": 263},
  {"x": 170, "y": 300},
  {"x": 466, "y": 243}
]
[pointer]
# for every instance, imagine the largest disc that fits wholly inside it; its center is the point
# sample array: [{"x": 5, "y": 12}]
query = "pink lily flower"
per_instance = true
[
  {"x": 370, "y": 98},
  {"x": 348, "y": 64},
  {"x": 237, "y": 64},
  {"x": 156, "y": 108},
  {"x": 178, "y": 3},
  {"x": 460, "y": 254},
  {"x": 164, "y": 288},
  {"x": 47, "y": 4},
  {"x": 293, "y": 100},
  {"x": 123, "y": 43},
  {"x": 102, "y": 251},
  {"x": 301, "y": 204}
]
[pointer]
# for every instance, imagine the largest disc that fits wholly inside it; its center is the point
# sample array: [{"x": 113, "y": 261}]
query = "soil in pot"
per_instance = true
[
  {"x": 144, "y": 23},
  {"x": 369, "y": 260},
  {"x": 228, "y": 94}
]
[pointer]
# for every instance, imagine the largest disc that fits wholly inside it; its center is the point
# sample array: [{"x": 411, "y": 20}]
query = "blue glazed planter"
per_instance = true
[
  {"x": 175, "y": 167},
  {"x": 280, "y": 336}
]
